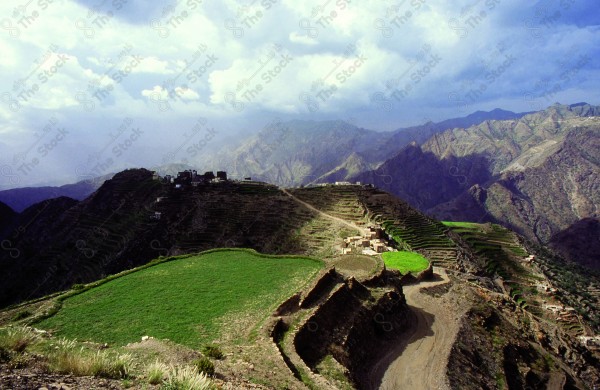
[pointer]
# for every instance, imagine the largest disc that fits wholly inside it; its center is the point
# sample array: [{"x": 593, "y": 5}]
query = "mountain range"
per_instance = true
[
  {"x": 493, "y": 308},
  {"x": 303, "y": 152},
  {"x": 538, "y": 175},
  {"x": 535, "y": 172}
]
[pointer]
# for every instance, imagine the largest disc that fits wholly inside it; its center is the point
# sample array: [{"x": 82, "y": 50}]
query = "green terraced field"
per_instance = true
[
  {"x": 467, "y": 225},
  {"x": 191, "y": 301},
  {"x": 405, "y": 262}
]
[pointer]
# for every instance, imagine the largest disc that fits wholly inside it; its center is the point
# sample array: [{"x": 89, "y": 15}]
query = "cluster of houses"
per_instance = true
[
  {"x": 186, "y": 178},
  {"x": 338, "y": 183},
  {"x": 191, "y": 177},
  {"x": 370, "y": 243}
]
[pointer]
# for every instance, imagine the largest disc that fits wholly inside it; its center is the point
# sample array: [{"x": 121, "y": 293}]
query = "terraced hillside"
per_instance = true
[
  {"x": 340, "y": 201},
  {"x": 531, "y": 312},
  {"x": 544, "y": 290},
  {"x": 410, "y": 229}
]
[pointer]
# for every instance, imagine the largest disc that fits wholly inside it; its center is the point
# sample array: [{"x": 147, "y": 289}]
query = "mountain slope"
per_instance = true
[
  {"x": 538, "y": 174},
  {"x": 21, "y": 198},
  {"x": 301, "y": 152},
  {"x": 7, "y": 215},
  {"x": 580, "y": 242},
  {"x": 420, "y": 134},
  {"x": 60, "y": 241},
  {"x": 352, "y": 166}
]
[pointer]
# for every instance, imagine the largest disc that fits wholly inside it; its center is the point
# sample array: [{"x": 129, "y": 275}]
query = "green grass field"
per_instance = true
[
  {"x": 467, "y": 225},
  {"x": 405, "y": 262},
  {"x": 191, "y": 301}
]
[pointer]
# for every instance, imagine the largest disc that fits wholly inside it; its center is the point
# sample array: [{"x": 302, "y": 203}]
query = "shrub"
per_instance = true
[
  {"x": 186, "y": 378},
  {"x": 156, "y": 372},
  {"x": 18, "y": 338},
  {"x": 205, "y": 366},
  {"x": 213, "y": 351}
]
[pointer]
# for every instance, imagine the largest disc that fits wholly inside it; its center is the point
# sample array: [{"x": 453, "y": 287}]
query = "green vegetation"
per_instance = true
[
  {"x": 21, "y": 315},
  {"x": 204, "y": 366},
  {"x": 17, "y": 339},
  {"x": 67, "y": 358},
  {"x": 466, "y": 225},
  {"x": 191, "y": 301},
  {"x": 416, "y": 232},
  {"x": 213, "y": 351},
  {"x": 186, "y": 378},
  {"x": 156, "y": 372},
  {"x": 334, "y": 371},
  {"x": 405, "y": 262}
]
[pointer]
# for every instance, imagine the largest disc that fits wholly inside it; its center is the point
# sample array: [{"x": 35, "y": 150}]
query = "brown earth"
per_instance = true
[{"x": 419, "y": 360}]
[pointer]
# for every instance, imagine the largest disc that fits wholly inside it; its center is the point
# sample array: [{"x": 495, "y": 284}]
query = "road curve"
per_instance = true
[{"x": 419, "y": 360}]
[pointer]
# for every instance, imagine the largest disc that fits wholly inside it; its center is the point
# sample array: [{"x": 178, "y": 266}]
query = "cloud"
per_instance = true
[
  {"x": 157, "y": 92},
  {"x": 168, "y": 63},
  {"x": 186, "y": 93}
]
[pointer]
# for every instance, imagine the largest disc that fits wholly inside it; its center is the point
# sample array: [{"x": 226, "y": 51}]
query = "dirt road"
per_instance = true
[
  {"x": 309, "y": 206},
  {"x": 419, "y": 361}
]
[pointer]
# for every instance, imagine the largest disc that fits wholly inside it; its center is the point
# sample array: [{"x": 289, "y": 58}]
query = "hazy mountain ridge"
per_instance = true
[
  {"x": 538, "y": 174},
  {"x": 21, "y": 198},
  {"x": 301, "y": 152},
  {"x": 285, "y": 153}
]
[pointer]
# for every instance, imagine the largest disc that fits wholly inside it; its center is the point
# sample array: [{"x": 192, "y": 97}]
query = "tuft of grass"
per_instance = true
[
  {"x": 213, "y": 351},
  {"x": 68, "y": 359},
  {"x": 205, "y": 366},
  {"x": 18, "y": 338},
  {"x": 186, "y": 378},
  {"x": 111, "y": 366},
  {"x": 405, "y": 262},
  {"x": 156, "y": 372}
]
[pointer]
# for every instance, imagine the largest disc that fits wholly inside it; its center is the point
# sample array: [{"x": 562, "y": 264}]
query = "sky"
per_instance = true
[{"x": 90, "y": 87}]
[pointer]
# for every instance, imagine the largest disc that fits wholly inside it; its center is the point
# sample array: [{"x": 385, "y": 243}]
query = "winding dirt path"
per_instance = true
[
  {"x": 322, "y": 213},
  {"x": 419, "y": 361}
]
